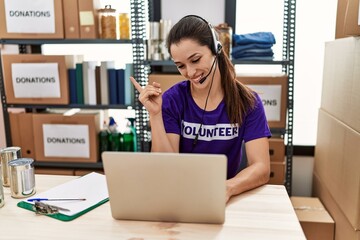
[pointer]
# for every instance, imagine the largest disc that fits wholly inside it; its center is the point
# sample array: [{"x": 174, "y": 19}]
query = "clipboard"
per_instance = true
[{"x": 91, "y": 186}]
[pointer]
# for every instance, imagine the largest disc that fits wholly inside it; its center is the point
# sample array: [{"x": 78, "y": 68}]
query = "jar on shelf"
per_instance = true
[
  {"x": 107, "y": 22},
  {"x": 225, "y": 37},
  {"x": 124, "y": 26}
]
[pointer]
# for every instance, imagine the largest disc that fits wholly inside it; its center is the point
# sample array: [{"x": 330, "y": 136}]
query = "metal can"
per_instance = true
[
  {"x": 6, "y": 155},
  {"x": 22, "y": 177},
  {"x": 2, "y": 199}
]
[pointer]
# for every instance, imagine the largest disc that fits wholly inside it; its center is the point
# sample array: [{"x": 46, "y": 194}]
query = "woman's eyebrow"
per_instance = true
[{"x": 191, "y": 56}]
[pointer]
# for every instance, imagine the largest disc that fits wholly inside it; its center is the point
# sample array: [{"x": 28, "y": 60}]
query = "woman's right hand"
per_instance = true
[{"x": 150, "y": 96}]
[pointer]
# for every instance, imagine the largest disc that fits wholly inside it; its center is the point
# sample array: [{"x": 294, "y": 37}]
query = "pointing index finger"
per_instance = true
[{"x": 136, "y": 84}]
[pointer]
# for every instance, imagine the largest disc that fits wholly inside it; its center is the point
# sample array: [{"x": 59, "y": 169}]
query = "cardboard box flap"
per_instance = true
[{"x": 310, "y": 210}]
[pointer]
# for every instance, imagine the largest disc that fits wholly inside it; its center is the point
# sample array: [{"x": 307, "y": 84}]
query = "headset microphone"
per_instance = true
[{"x": 204, "y": 78}]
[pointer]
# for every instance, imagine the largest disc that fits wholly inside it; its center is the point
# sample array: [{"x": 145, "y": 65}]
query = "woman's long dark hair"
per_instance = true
[{"x": 239, "y": 99}]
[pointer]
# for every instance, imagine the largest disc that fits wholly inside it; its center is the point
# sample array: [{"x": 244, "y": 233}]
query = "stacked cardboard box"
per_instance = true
[
  {"x": 347, "y": 18},
  {"x": 337, "y": 152},
  {"x": 277, "y": 160}
]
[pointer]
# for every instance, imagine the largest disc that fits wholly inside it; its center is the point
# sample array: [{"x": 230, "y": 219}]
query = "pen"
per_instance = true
[{"x": 56, "y": 199}]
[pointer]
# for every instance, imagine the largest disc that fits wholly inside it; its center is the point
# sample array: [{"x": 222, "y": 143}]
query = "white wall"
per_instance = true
[{"x": 211, "y": 10}]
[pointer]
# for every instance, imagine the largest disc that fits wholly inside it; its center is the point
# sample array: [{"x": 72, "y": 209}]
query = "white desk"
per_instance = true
[{"x": 263, "y": 213}]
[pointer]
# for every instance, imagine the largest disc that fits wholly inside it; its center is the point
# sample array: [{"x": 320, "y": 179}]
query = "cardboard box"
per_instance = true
[
  {"x": 166, "y": 80},
  {"x": 273, "y": 92},
  {"x": 277, "y": 149},
  {"x": 341, "y": 85},
  {"x": 16, "y": 23},
  {"x": 71, "y": 19},
  {"x": 60, "y": 138},
  {"x": 347, "y": 18},
  {"x": 22, "y": 135},
  {"x": 337, "y": 163},
  {"x": 277, "y": 173},
  {"x": 343, "y": 228},
  {"x": 88, "y": 18},
  {"x": 35, "y": 79},
  {"x": 314, "y": 219}
]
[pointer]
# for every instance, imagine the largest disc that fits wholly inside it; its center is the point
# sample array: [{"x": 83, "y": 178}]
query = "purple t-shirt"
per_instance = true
[{"x": 183, "y": 116}]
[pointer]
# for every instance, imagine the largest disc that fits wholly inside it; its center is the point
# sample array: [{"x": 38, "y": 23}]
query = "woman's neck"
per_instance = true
[{"x": 215, "y": 96}]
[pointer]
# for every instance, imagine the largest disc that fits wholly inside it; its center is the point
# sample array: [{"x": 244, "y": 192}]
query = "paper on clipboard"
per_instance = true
[{"x": 92, "y": 187}]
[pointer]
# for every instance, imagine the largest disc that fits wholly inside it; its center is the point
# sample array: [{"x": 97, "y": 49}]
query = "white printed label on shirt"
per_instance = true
[
  {"x": 210, "y": 132},
  {"x": 66, "y": 140}
]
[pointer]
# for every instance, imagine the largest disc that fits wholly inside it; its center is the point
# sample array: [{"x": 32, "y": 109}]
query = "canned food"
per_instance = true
[
  {"x": 22, "y": 177},
  {"x": 124, "y": 26},
  {"x": 107, "y": 19},
  {"x": 6, "y": 155}
]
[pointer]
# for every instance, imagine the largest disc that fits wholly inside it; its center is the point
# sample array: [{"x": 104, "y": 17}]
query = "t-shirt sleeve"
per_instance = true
[
  {"x": 256, "y": 125},
  {"x": 171, "y": 112}
]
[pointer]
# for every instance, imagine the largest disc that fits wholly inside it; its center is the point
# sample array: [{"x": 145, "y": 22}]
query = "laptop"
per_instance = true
[{"x": 166, "y": 187}]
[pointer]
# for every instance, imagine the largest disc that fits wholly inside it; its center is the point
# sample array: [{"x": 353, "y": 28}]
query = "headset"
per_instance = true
[{"x": 216, "y": 47}]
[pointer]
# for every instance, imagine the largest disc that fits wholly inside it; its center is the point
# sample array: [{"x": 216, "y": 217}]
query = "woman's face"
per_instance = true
[{"x": 192, "y": 60}]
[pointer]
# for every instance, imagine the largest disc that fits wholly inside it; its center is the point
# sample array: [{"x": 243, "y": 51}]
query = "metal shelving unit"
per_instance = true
[
  {"x": 287, "y": 63},
  {"x": 138, "y": 25}
]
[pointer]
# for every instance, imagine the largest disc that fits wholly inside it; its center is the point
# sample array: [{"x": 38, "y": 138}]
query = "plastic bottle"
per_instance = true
[
  {"x": 104, "y": 139},
  {"x": 133, "y": 129},
  {"x": 114, "y": 136},
  {"x": 128, "y": 138}
]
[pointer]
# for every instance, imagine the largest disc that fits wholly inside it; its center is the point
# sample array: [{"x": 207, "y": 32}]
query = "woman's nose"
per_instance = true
[{"x": 191, "y": 71}]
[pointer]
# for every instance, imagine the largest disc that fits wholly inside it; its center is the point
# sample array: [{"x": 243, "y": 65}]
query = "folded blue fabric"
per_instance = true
[
  {"x": 257, "y": 37},
  {"x": 252, "y": 52},
  {"x": 251, "y": 46},
  {"x": 256, "y": 58}
]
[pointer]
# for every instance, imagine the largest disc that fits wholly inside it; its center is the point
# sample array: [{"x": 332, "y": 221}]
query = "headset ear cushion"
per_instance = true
[{"x": 219, "y": 46}]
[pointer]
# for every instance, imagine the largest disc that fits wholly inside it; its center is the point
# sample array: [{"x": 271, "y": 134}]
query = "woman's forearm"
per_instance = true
[{"x": 159, "y": 139}]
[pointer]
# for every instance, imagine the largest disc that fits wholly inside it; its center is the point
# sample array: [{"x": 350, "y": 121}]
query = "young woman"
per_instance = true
[{"x": 210, "y": 112}]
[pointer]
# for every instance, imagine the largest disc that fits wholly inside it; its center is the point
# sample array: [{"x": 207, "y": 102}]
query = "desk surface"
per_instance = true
[{"x": 263, "y": 213}]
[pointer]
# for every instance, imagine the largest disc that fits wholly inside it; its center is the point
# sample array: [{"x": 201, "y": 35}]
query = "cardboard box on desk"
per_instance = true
[
  {"x": 337, "y": 164},
  {"x": 60, "y": 138},
  {"x": 22, "y": 135},
  {"x": 41, "y": 19},
  {"x": 273, "y": 92},
  {"x": 314, "y": 219},
  {"x": 347, "y": 19},
  {"x": 341, "y": 86},
  {"x": 35, "y": 79}
]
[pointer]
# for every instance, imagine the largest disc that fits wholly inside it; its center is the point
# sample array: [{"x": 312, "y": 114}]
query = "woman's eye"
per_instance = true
[
  {"x": 180, "y": 66},
  {"x": 196, "y": 60}
]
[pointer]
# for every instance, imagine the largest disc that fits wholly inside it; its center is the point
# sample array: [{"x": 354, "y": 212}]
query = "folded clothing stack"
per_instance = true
[{"x": 253, "y": 46}]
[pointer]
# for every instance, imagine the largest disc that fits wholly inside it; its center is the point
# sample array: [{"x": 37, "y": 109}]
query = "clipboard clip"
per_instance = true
[{"x": 47, "y": 209}]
